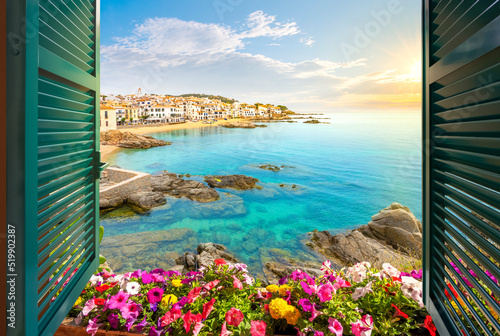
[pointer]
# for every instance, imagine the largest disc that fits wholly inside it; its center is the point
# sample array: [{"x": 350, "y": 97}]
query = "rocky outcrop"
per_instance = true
[
  {"x": 130, "y": 140},
  {"x": 207, "y": 253},
  {"x": 273, "y": 168},
  {"x": 106, "y": 203},
  {"x": 394, "y": 235},
  {"x": 314, "y": 121},
  {"x": 171, "y": 184},
  {"x": 241, "y": 124},
  {"x": 239, "y": 182},
  {"x": 146, "y": 200}
]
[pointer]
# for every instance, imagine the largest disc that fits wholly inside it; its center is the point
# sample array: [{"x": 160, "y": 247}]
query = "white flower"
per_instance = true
[
  {"x": 241, "y": 267},
  {"x": 412, "y": 289},
  {"x": 390, "y": 270},
  {"x": 361, "y": 292},
  {"x": 133, "y": 288},
  {"x": 358, "y": 271},
  {"x": 95, "y": 279},
  {"x": 248, "y": 279}
]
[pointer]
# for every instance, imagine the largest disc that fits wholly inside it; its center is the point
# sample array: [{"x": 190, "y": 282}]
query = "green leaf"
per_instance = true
[{"x": 101, "y": 233}]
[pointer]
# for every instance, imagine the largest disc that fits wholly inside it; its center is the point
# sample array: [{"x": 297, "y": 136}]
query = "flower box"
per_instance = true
[{"x": 69, "y": 328}]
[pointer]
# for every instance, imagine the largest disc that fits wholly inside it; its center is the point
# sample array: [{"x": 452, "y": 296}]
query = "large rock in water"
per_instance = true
[
  {"x": 239, "y": 124},
  {"x": 145, "y": 200},
  {"x": 207, "y": 253},
  {"x": 130, "y": 140},
  {"x": 394, "y": 235},
  {"x": 171, "y": 184},
  {"x": 239, "y": 182}
]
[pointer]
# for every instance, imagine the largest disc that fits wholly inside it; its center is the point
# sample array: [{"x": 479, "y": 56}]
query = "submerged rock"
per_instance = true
[
  {"x": 130, "y": 140},
  {"x": 393, "y": 236},
  {"x": 314, "y": 121},
  {"x": 271, "y": 167},
  {"x": 240, "y": 124},
  {"x": 239, "y": 182},
  {"x": 171, "y": 184}
]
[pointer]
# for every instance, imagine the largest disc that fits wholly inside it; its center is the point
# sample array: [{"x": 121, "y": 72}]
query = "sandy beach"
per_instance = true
[{"x": 106, "y": 151}]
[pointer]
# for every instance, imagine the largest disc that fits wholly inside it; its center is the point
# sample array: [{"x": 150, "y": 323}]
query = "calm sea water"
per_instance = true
[{"x": 344, "y": 173}]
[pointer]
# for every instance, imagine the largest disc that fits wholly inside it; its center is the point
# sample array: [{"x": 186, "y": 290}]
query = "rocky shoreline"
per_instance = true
[
  {"x": 130, "y": 140},
  {"x": 241, "y": 124}
]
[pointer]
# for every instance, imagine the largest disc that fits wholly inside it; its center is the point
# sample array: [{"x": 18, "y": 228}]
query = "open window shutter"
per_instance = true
[
  {"x": 54, "y": 162},
  {"x": 462, "y": 165}
]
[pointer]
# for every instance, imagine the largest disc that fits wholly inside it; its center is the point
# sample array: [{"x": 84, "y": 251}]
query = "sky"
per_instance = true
[{"x": 314, "y": 56}]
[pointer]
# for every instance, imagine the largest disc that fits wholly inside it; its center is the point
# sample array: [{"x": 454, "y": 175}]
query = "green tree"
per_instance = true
[{"x": 283, "y": 108}]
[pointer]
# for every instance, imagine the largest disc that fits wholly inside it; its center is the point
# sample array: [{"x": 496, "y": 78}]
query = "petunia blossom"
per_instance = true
[
  {"x": 118, "y": 300},
  {"x": 325, "y": 292},
  {"x": 224, "y": 331},
  {"x": 193, "y": 294},
  {"x": 398, "y": 312},
  {"x": 93, "y": 326},
  {"x": 141, "y": 325},
  {"x": 89, "y": 305},
  {"x": 237, "y": 283},
  {"x": 335, "y": 327},
  {"x": 234, "y": 317},
  {"x": 362, "y": 327},
  {"x": 171, "y": 316},
  {"x": 133, "y": 288},
  {"x": 362, "y": 291},
  {"x": 130, "y": 310},
  {"x": 258, "y": 328},
  {"x": 207, "y": 309},
  {"x": 114, "y": 320},
  {"x": 429, "y": 325},
  {"x": 212, "y": 284},
  {"x": 155, "y": 295}
]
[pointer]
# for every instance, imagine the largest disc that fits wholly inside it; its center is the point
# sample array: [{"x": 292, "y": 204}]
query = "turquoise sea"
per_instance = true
[{"x": 344, "y": 173}]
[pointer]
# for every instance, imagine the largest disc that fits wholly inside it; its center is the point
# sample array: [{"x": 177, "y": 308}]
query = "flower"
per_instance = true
[
  {"x": 292, "y": 315},
  {"x": 398, "y": 312},
  {"x": 211, "y": 285},
  {"x": 318, "y": 333},
  {"x": 171, "y": 316},
  {"x": 133, "y": 288},
  {"x": 325, "y": 292},
  {"x": 78, "y": 301},
  {"x": 114, "y": 320},
  {"x": 358, "y": 272},
  {"x": 94, "y": 279},
  {"x": 326, "y": 268},
  {"x": 168, "y": 299},
  {"x": 147, "y": 278},
  {"x": 390, "y": 271},
  {"x": 234, "y": 317},
  {"x": 119, "y": 300},
  {"x": 429, "y": 325},
  {"x": 89, "y": 305},
  {"x": 224, "y": 331},
  {"x": 237, "y": 283},
  {"x": 258, "y": 328},
  {"x": 361, "y": 292},
  {"x": 99, "y": 301},
  {"x": 103, "y": 288},
  {"x": 130, "y": 310},
  {"x": 220, "y": 261},
  {"x": 308, "y": 288},
  {"x": 155, "y": 295},
  {"x": 306, "y": 305},
  {"x": 278, "y": 308},
  {"x": 93, "y": 326},
  {"x": 362, "y": 327},
  {"x": 176, "y": 282},
  {"x": 193, "y": 294},
  {"x": 335, "y": 327},
  {"x": 283, "y": 289},
  {"x": 141, "y": 325},
  {"x": 181, "y": 303},
  {"x": 272, "y": 288},
  {"x": 207, "y": 309}
]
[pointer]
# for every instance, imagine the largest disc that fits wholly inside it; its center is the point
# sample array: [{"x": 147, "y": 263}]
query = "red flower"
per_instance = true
[
  {"x": 220, "y": 261},
  {"x": 207, "y": 309},
  {"x": 258, "y": 328},
  {"x": 429, "y": 325},
  {"x": 193, "y": 294},
  {"x": 102, "y": 288},
  {"x": 99, "y": 302},
  {"x": 397, "y": 279},
  {"x": 234, "y": 317},
  {"x": 399, "y": 312}
]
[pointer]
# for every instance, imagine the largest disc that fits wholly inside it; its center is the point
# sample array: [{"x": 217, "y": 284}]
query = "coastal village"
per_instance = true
[{"x": 146, "y": 109}]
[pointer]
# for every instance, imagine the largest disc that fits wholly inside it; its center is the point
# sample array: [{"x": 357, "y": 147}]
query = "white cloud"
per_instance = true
[
  {"x": 308, "y": 41},
  {"x": 261, "y": 24}
]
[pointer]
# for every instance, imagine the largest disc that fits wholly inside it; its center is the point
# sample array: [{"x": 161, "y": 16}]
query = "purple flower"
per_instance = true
[
  {"x": 306, "y": 305},
  {"x": 175, "y": 273},
  {"x": 113, "y": 320},
  {"x": 118, "y": 301},
  {"x": 130, "y": 323},
  {"x": 153, "y": 306},
  {"x": 136, "y": 274},
  {"x": 141, "y": 325},
  {"x": 155, "y": 295},
  {"x": 416, "y": 275},
  {"x": 154, "y": 332},
  {"x": 491, "y": 276},
  {"x": 158, "y": 271},
  {"x": 405, "y": 274},
  {"x": 283, "y": 280},
  {"x": 181, "y": 303}
]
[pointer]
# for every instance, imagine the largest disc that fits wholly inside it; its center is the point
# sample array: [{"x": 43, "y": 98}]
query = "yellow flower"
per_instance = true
[
  {"x": 278, "y": 308},
  {"x": 176, "y": 283},
  {"x": 292, "y": 314},
  {"x": 456, "y": 308},
  {"x": 78, "y": 301},
  {"x": 272, "y": 288},
  {"x": 168, "y": 299},
  {"x": 283, "y": 289}
]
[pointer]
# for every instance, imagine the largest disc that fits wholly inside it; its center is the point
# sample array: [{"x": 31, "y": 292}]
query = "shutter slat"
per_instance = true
[
  {"x": 47, "y": 100},
  {"x": 69, "y": 189},
  {"x": 63, "y": 125},
  {"x": 56, "y": 161},
  {"x": 473, "y": 174},
  {"x": 63, "y": 114},
  {"x": 54, "y": 185},
  {"x": 55, "y": 137},
  {"x": 478, "y": 160},
  {"x": 473, "y": 97},
  {"x": 479, "y": 128},
  {"x": 481, "y": 111},
  {"x": 59, "y": 172},
  {"x": 475, "y": 144},
  {"x": 62, "y": 204}
]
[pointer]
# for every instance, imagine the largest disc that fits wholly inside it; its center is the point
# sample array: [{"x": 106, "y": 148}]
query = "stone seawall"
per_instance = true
[{"x": 121, "y": 182}]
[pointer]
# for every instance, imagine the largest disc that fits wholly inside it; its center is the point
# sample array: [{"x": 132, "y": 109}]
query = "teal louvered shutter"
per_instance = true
[
  {"x": 53, "y": 167},
  {"x": 462, "y": 165}
]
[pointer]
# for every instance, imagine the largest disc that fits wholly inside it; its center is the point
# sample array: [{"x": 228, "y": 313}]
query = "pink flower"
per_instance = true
[
  {"x": 325, "y": 292},
  {"x": 318, "y": 333},
  {"x": 326, "y": 268},
  {"x": 343, "y": 283},
  {"x": 89, "y": 305},
  {"x": 171, "y": 316},
  {"x": 147, "y": 278},
  {"x": 335, "y": 327},
  {"x": 237, "y": 283},
  {"x": 258, "y": 328},
  {"x": 224, "y": 331},
  {"x": 361, "y": 292},
  {"x": 211, "y": 284},
  {"x": 157, "y": 277},
  {"x": 190, "y": 318},
  {"x": 117, "y": 301},
  {"x": 155, "y": 295},
  {"x": 197, "y": 327},
  {"x": 234, "y": 317},
  {"x": 113, "y": 320},
  {"x": 207, "y": 309},
  {"x": 193, "y": 294},
  {"x": 130, "y": 310},
  {"x": 309, "y": 289},
  {"x": 93, "y": 326},
  {"x": 362, "y": 327}
]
